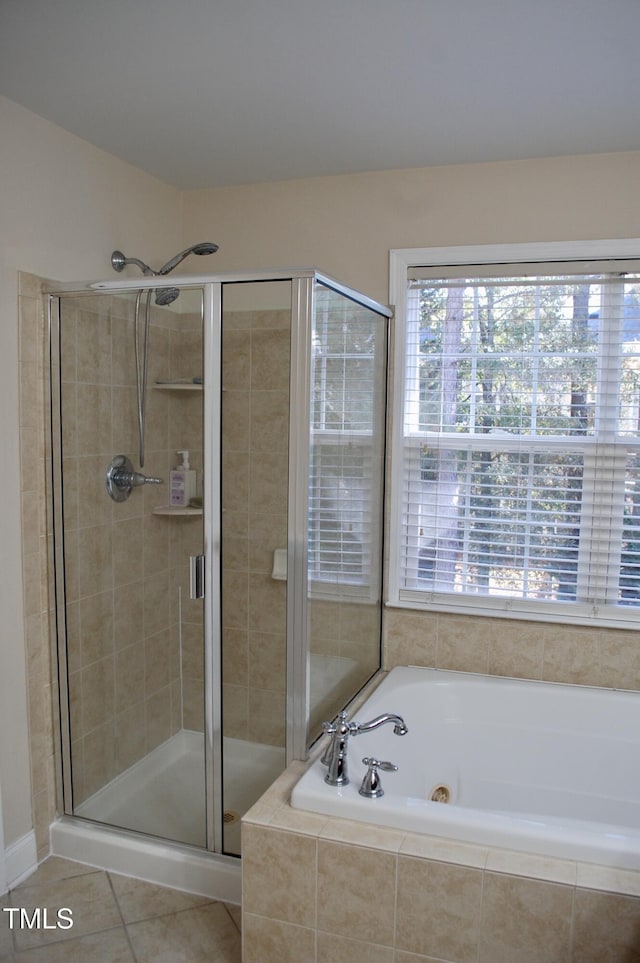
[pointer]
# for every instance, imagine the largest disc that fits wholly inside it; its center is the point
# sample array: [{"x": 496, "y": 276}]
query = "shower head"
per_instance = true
[
  {"x": 166, "y": 296},
  {"x": 163, "y": 295},
  {"x": 205, "y": 247}
]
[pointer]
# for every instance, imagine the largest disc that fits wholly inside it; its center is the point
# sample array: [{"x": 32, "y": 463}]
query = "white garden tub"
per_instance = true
[{"x": 539, "y": 767}]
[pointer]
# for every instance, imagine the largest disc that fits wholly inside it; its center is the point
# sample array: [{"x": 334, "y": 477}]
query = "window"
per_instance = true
[{"x": 517, "y": 451}]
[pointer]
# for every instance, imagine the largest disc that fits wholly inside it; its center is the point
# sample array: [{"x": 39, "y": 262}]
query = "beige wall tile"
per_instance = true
[
  {"x": 273, "y": 941},
  {"x": 158, "y": 718},
  {"x": 193, "y": 704},
  {"x": 267, "y": 604},
  {"x": 157, "y": 603},
  {"x": 619, "y": 659},
  {"x": 362, "y": 834},
  {"x": 606, "y": 928},
  {"x": 267, "y": 720},
  {"x": 267, "y": 660},
  {"x": 571, "y": 655},
  {"x": 267, "y": 532},
  {"x": 516, "y": 650},
  {"x": 95, "y": 573},
  {"x": 96, "y": 627},
  {"x": 338, "y": 949},
  {"x": 444, "y": 850},
  {"x": 94, "y": 423},
  {"x": 235, "y": 656},
  {"x": 128, "y": 614},
  {"x": 438, "y": 909},
  {"x": 99, "y": 759},
  {"x": 97, "y": 682},
  {"x": 130, "y": 734},
  {"x": 291, "y": 860},
  {"x": 460, "y": 649},
  {"x": 355, "y": 908},
  {"x": 268, "y": 471},
  {"x": 235, "y": 595},
  {"x": 235, "y": 711},
  {"x": 525, "y": 920},
  {"x": 269, "y": 420},
  {"x": 236, "y": 359},
  {"x": 270, "y": 352}
]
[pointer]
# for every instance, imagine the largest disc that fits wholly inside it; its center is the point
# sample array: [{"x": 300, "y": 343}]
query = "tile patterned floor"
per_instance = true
[{"x": 115, "y": 920}]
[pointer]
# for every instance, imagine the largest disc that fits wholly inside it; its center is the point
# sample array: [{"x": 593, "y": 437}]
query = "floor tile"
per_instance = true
[
  {"x": 55, "y": 868},
  {"x": 110, "y": 946},
  {"x": 89, "y": 897},
  {"x": 6, "y": 937},
  {"x": 193, "y": 936},
  {"x": 139, "y": 900}
]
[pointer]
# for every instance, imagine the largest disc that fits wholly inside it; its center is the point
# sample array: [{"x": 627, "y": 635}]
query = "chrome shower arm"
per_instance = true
[{"x": 119, "y": 262}]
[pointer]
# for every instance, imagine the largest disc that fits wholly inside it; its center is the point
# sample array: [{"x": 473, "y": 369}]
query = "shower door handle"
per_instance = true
[{"x": 196, "y": 576}]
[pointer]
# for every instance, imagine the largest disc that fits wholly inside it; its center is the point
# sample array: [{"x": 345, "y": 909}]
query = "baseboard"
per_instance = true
[{"x": 20, "y": 859}]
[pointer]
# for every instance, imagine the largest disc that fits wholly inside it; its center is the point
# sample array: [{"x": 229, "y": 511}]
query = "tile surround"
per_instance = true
[{"x": 384, "y": 896}]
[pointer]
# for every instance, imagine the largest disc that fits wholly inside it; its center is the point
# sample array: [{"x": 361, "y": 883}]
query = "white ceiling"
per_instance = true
[{"x": 204, "y": 93}]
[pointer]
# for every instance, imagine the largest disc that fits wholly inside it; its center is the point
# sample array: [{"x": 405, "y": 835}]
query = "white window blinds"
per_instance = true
[
  {"x": 347, "y": 444},
  {"x": 521, "y": 440}
]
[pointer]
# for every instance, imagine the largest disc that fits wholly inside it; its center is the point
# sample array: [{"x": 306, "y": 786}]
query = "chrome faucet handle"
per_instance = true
[
  {"x": 371, "y": 786},
  {"x": 330, "y": 728},
  {"x": 122, "y": 478},
  {"x": 339, "y": 730}
]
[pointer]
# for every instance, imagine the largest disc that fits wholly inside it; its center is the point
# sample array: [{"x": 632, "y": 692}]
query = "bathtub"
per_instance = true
[{"x": 538, "y": 767}]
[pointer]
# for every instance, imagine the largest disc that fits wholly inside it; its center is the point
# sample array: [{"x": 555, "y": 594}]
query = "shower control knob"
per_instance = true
[{"x": 122, "y": 478}]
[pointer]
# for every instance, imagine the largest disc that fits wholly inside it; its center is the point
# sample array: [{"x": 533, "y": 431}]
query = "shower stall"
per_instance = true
[{"x": 201, "y": 644}]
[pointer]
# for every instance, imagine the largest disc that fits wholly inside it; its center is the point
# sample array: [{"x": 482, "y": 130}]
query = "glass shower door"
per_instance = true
[
  {"x": 132, "y": 660},
  {"x": 256, "y": 346},
  {"x": 346, "y": 472}
]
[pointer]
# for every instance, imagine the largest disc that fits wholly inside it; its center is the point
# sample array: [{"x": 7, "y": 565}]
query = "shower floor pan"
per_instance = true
[{"x": 163, "y": 794}]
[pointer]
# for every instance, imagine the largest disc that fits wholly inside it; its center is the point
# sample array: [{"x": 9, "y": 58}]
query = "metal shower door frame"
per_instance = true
[
  {"x": 303, "y": 285},
  {"x": 212, "y": 544}
]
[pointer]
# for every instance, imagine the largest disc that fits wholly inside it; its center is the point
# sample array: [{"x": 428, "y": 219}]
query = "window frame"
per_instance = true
[{"x": 400, "y": 261}]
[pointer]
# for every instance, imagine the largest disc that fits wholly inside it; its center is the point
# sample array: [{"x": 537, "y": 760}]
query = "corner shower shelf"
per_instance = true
[{"x": 172, "y": 510}]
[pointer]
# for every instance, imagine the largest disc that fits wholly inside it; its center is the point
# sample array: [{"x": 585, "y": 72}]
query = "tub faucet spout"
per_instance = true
[
  {"x": 399, "y": 726},
  {"x": 335, "y": 755}
]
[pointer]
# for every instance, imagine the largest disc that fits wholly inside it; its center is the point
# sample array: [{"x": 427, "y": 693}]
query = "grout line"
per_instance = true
[
  {"x": 230, "y": 915},
  {"x": 124, "y": 925}
]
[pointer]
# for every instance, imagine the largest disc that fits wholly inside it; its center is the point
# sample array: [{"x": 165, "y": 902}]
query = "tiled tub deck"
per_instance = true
[{"x": 320, "y": 889}]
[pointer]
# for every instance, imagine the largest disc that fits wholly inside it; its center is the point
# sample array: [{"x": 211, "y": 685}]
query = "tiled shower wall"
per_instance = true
[
  {"x": 36, "y": 527},
  {"x": 255, "y": 443},
  {"x": 125, "y": 567}
]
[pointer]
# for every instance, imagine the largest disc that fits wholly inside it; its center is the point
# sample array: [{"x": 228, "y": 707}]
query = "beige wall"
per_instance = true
[
  {"x": 346, "y": 225},
  {"x": 65, "y": 205}
]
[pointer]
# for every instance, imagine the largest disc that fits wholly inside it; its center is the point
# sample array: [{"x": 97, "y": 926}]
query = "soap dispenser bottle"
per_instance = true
[{"x": 182, "y": 483}]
